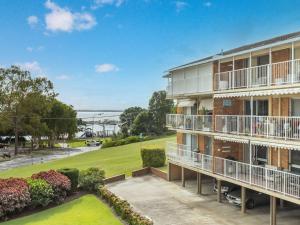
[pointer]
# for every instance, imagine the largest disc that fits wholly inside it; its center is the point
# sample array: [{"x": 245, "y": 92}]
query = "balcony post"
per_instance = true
[
  {"x": 269, "y": 79},
  {"x": 251, "y": 118},
  {"x": 233, "y": 78},
  {"x": 243, "y": 199},
  {"x": 199, "y": 183},
  {"x": 250, "y": 156},
  {"x": 250, "y": 71},
  {"x": 293, "y": 63},
  {"x": 219, "y": 194},
  {"x": 182, "y": 177},
  {"x": 273, "y": 210},
  {"x": 285, "y": 128}
]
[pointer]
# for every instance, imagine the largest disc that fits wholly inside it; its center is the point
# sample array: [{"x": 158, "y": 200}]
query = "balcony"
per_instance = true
[
  {"x": 275, "y": 74},
  {"x": 286, "y": 128},
  {"x": 282, "y": 182},
  {"x": 189, "y": 122}
]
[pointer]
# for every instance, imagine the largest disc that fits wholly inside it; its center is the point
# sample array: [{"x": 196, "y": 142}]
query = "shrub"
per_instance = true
[
  {"x": 90, "y": 179},
  {"x": 41, "y": 192},
  {"x": 14, "y": 195},
  {"x": 154, "y": 157},
  {"x": 123, "y": 208},
  {"x": 72, "y": 174},
  {"x": 59, "y": 183}
]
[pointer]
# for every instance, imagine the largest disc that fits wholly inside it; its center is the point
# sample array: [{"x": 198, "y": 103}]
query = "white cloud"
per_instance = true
[
  {"x": 63, "y": 19},
  {"x": 34, "y": 67},
  {"x": 101, "y": 3},
  {"x": 180, "y": 5},
  {"x": 29, "y": 49},
  {"x": 63, "y": 77},
  {"x": 207, "y": 4},
  {"x": 106, "y": 68},
  {"x": 34, "y": 49},
  {"x": 32, "y": 21}
]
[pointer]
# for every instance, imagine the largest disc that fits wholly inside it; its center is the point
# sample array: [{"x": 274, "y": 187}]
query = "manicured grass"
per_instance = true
[
  {"x": 86, "y": 210},
  {"x": 114, "y": 160}
]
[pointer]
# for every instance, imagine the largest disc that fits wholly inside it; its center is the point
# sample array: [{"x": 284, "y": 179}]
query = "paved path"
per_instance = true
[
  {"x": 169, "y": 204},
  {"x": 57, "y": 154}
]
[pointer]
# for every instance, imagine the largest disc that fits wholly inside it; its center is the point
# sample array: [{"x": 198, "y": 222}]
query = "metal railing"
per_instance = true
[
  {"x": 287, "y": 128},
  {"x": 189, "y": 122},
  {"x": 275, "y": 74},
  {"x": 271, "y": 179}
]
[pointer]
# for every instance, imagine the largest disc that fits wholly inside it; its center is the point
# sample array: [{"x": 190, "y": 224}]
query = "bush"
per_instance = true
[
  {"x": 154, "y": 157},
  {"x": 72, "y": 174},
  {"x": 123, "y": 208},
  {"x": 14, "y": 195},
  {"x": 90, "y": 179},
  {"x": 41, "y": 192},
  {"x": 59, "y": 183}
]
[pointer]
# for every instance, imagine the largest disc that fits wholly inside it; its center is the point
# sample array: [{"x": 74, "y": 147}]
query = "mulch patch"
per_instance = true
[{"x": 29, "y": 211}]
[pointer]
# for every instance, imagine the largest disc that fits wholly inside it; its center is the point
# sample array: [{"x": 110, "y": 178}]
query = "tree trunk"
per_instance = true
[{"x": 16, "y": 136}]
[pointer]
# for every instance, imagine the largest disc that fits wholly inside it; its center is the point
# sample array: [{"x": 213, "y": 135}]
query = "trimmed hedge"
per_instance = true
[
  {"x": 90, "y": 179},
  {"x": 153, "y": 157},
  {"x": 59, "y": 183},
  {"x": 123, "y": 208},
  {"x": 126, "y": 141},
  {"x": 41, "y": 192},
  {"x": 14, "y": 196},
  {"x": 73, "y": 175}
]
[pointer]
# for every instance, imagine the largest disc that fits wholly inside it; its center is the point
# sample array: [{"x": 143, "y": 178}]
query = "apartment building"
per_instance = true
[{"x": 238, "y": 119}]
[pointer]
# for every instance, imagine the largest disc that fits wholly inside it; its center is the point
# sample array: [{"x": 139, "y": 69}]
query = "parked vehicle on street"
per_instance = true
[
  {"x": 91, "y": 143},
  {"x": 253, "y": 198},
  {"x": 226, "y": 187}
]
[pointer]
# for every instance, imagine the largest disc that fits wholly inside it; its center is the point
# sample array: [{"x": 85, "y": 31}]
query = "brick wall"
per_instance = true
[
  {"x": 237, "y": 107},
  {"x": 180, "y": 138},
  {"x": 274, "y": 157},
  {"x": 235, "y": 149},
  {"x": 201, "y": 143}
]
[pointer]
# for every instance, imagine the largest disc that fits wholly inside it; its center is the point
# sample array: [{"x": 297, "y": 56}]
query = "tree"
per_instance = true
[
  {"x": 159, "y": 106},
  {"x": 127, "y": 118},
  {"x": 61, "y": 121},
  {"x": 17, "y": 87},
  {"x": 142, "y": 124}
]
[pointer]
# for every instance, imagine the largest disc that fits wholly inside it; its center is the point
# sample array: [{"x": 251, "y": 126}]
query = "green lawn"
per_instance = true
[
  {"x": 87, "y": 210},
  {"x": 114, "y": 160}
]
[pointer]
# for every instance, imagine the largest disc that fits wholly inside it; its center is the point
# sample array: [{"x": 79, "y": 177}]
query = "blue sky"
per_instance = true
[{"x": 112, "y": 53}]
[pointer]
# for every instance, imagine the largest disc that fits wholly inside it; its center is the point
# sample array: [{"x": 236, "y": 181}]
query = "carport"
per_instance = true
[{"x": 177, "y": 172}]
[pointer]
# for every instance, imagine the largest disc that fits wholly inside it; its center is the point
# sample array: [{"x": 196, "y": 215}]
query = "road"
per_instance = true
[{"x": 57, "y": 154}]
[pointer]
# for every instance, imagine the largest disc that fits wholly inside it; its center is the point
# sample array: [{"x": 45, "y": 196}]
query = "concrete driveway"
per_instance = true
[{"x": 169, "y": 204}]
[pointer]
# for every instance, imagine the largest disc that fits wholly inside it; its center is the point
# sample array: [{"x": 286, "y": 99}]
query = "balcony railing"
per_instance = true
[
  {"x": 287, "y": 128},
  {"x": 270, "y": 179},
  {"x": 274, "y": 74},
  {"x": 190, "y": 122}
]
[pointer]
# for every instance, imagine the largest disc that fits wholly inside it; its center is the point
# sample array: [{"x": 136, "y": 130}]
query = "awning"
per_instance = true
[
  {"x": 186, "y": 103},
  {"x": 276, "y": 145},
  {"x": 284, "y": 91},
  {"x": 206, "y": 103},
  {"x": 231, "y": 139}
]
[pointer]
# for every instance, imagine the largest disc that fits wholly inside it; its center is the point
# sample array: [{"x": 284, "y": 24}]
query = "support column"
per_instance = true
[
  {"x": 169, "y": 172},
  {"x": 182, "y": 177},
  {"x": 219, "y": 193},
  {"x": 199, "y": 183},
  {"x": 273, "y": 211},
  {"x": 243, "y": 199}
]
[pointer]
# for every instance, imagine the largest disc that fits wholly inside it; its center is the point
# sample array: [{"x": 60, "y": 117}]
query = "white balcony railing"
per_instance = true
[
  {"x": 287, "y": 128},
  {"x": 279, "y": 181},
  {"x": 274, "y": 74},
  {"x": 189, "y": 122}
]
